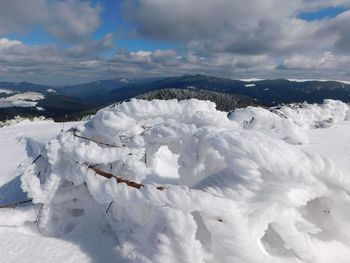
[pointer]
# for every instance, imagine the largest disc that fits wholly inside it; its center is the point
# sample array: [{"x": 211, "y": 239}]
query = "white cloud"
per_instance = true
[
  {"x": 73, "y": 19},
  {"x": 92, "y": 47},
  {"x": 249, "y": 27},
  {"x": 69, "y": 20},
  {"x": 314, "y": 5},
  {"x": 53, "y": 65},
  {"x": 19, "y": 15},
  {"x": 5, "y": 43},
  {"x": 325, "y": 61},
  {"x": 233, "y": 38}
]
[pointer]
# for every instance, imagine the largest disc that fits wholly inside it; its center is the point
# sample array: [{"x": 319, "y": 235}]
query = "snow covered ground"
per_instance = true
[
  {"x": 333, "y": 143},
  {"x": 26, "y": 99},
  {"x": 26, "y": 244},
  {"x": 168, "y": 181},
  {"x": 297, "y": 80},
  {"x": 15, "y": 146},
  {"x": 5, "y": 91},
  {"x": 323, "y": 80}
]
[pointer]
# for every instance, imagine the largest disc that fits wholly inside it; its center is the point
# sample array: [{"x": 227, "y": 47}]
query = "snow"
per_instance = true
[
  {"x": 249, "y": 85},
  {"x": 51, "y": 90},
  {"x": 333, "y": 143},
  {"x": 32, "y": 247},
  {"x": 26, "y": 99},
  {"x": 297, "y": 80},
  {"x": 254, "y": 185},
  {"x": 15, "y": 143},
  {"x": 6, "y": 91},
  {"x": 191, "y": 87},
  {"x": 124, "y": 81},
  {"x": 251, "y": 80},
  {"x": 322, "y": 80}
]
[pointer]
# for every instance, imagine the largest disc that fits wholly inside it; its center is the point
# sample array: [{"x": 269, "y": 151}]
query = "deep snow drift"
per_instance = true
[{"x": 202, "y": 185}]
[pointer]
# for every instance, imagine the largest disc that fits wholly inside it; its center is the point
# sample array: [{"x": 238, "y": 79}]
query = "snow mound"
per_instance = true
[
  {"x": 290, "y": 122},
  {"x": 192, "y": 185}
]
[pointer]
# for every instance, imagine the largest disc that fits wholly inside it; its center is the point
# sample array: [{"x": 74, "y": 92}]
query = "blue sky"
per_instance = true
[
  {"x": 72, "y": 41},
  {"x": 111, "y": 21},
  {"x": 324, "y": 13}
]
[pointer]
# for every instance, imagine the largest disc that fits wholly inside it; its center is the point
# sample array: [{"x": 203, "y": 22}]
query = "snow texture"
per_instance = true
[{"x": 238, "y": 187}]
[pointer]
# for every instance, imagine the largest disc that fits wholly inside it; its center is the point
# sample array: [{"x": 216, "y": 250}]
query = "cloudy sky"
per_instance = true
[{"x": 61, "y": 42}]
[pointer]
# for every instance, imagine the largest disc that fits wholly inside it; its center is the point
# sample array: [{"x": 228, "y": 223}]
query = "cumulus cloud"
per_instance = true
[
  {"x": 196, "y": 19},
  {"x": 340, "y": 28},
  {"x": 58, "y": 65},
  {"x": 312, "y": 5},
  {"x": 15, "y": 16},
  {"x": 72, "y": 20},
  {"x": 265, "y": 38},
  {"x": 92, "y": 47},
  {"x": 5, "y": 42},
  {"x": 231, "y": 38},
  {"x": 325, "y": 61},
  {"x": 251, "y": 27},
  {"x": 68, "y": 20}
]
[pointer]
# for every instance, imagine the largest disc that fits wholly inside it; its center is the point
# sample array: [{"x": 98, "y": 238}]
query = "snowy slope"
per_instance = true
[
  {"x": 26, "y": 244},
  {"x": 14, "y": 146},
  {"x": 193, "y": 185},
  {"x": 26, "y": 99},
  {"x": 333, "y": 143},
  {"x": 6, "y": 91}
]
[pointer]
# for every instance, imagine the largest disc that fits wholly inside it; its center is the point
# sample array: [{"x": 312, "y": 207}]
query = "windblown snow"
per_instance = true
[{"x": 192, "y": 184}]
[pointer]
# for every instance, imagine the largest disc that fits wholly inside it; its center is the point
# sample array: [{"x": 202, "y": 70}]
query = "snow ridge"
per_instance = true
[{"x": 237, "y": 187}]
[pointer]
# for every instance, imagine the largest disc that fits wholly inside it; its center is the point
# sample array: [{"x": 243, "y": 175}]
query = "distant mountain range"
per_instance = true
[
  {"x": 30, "y": 100},
  {"x": 269, "y": 92},
  {"x": 58, "y": 102}
]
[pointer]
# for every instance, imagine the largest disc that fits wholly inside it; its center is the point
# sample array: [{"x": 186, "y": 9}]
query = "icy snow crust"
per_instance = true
[{"x": 237, "y": 187}]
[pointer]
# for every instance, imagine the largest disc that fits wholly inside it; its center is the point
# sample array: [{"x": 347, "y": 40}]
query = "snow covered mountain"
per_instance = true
[
  {"x": 169, "y": 181},
  {"x": 25, "y": 86},
  {"x": 267, "y": 92},
  {"x": 71, "y": 100},
  {"x": 97, "y": 92},
  {"x": 27, "y": 101}
]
